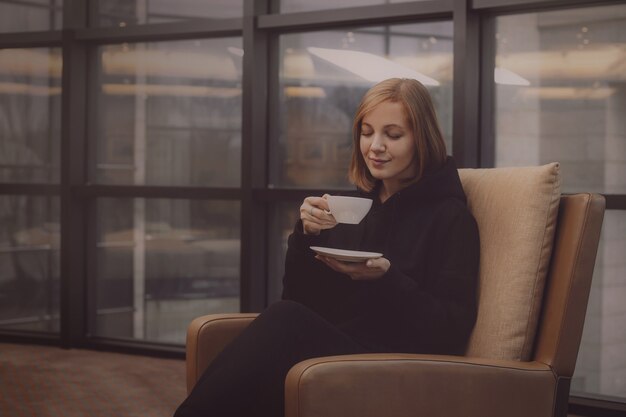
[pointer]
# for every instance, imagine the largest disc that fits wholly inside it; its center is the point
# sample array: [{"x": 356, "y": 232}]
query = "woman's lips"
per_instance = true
[{"x": 378, "y": 162}]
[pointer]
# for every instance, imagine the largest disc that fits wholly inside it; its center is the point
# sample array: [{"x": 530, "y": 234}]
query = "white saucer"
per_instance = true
[{"x": 346, "y": 255}]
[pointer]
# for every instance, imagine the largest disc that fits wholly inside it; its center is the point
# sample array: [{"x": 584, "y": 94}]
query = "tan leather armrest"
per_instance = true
[
  {"x": 399, "y": 385},
  {"x": 207, "y": 336}
]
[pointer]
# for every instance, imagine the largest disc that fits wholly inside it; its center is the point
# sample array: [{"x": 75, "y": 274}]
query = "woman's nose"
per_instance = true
[{"x": 378, "y": 145}]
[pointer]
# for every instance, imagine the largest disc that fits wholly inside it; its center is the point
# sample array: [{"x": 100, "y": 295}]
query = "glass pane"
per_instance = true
[
  {"x": 132, "y": 12},
  {"x": 29, "y": 263},
  {"x": 288, "y": 6},
  {"x": 323, "y": 76},
  {"x": 284, "y": 217},
  {"x": 30, "y": 115},
  {"x": 601, "y": 365},
  {"x": 31, "y": 15},
  {"x": 560, "y": 95},
  {"x": 169, "y": 113},
  {"x": 161, "y": 263}
]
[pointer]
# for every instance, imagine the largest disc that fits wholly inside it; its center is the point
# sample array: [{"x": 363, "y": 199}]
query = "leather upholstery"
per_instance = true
[
  {"x": 435, "y": 385},
  {"x": 567, "y": 291},
  {"x": 207, "y": 336},
  {"x": 397, "y": 385}
]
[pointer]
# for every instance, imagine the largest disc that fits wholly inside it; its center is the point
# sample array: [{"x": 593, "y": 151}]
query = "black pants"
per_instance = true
[{"x": 247, "y": 378}]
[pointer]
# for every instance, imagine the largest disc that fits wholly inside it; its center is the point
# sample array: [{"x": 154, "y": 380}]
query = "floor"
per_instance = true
[{"x": 44, "y": 381}]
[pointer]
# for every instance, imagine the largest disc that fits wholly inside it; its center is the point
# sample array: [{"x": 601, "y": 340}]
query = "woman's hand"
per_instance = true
[
  {"x": 315, "y": 215},
  {"x": 369, "y": 270}
]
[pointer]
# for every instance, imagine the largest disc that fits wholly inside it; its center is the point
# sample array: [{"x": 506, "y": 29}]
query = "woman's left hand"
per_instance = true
[{"x": 369, "y": 270}]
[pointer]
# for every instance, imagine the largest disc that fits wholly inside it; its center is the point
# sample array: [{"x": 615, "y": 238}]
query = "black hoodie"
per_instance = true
[{"x": 426, "y": 301}]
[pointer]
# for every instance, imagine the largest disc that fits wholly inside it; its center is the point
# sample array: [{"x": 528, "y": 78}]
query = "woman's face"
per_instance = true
[{"x": 387, "y": 143}]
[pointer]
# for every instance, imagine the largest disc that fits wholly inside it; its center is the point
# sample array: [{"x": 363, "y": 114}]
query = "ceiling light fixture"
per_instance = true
[{"x": 371, "y": 67}]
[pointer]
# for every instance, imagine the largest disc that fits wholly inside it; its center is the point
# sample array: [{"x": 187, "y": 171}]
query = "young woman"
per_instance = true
[{"x": 420, "y": 297}]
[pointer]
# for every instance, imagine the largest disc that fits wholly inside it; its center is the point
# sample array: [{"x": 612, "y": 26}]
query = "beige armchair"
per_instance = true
[{"x": 522, "y": 353}]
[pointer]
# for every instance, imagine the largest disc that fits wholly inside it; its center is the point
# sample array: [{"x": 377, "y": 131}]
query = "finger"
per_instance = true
[
  {"x": 377, "y": 265},
  {"x": 372, "y": 263},
  {"x": 347, "y": 267},
  {"x": 318, "y": 202}
]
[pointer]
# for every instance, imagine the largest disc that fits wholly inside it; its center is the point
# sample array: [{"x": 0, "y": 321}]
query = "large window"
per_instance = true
[
  {"x": 30, "y": 104},
  {"x": 29, "y": 263},
  {"x": 169, "y": 113},
  {"x": 30, "y": 115},
  {"x": 161, "y": 263},
  {"x": 561, "y": 96}
]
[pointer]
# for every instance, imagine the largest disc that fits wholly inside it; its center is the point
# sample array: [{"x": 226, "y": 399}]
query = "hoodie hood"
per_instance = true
[{"x": 440, "y": 184}]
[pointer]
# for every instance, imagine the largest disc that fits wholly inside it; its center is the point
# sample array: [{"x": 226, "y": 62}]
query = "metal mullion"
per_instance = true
[
  {"x": 93, "y": 7},
  {"x": 200, "y": 28},
  {"x": 30, "y": 189},
  {"x": 91, "y": 267},
  {"x": 254, "y": 132},
  {"x": 90, "y": 205},
  {"x": 157, "y": 191},
  {"x": 515, "y": 6},
  {"x": 274, "y": 103},
  {"x": 466, "y": 86},
  {"x": 274, "y": 6},
  {"x": 353, "y": 16},
  {"x": 53, "y": 12},
  {"x": 487, "y": 59},
  {"x": 73, "y": 280},
  {"x": 30, "y": 39}
]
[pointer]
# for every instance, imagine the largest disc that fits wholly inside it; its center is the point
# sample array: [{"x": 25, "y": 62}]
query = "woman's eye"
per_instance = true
[
  {"x": 367, "y": 134},
  {"x": 394, "y": 135}
]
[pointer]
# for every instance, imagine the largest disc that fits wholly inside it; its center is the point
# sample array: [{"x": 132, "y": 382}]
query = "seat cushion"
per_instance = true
[{"x": 516, "y": 210}]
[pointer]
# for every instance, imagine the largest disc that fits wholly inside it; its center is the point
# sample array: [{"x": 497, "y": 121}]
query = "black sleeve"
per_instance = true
[
  {"x": 300, "y": 263},
  {"x": 309, "y": 281},
  {"x": 441, "y": 313}
]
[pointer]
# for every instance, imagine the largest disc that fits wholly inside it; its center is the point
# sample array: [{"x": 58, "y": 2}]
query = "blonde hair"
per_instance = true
[{"x": 421, "y": 118}]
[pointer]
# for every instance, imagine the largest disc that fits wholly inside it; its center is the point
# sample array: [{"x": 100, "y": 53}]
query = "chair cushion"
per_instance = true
[{"x": 516, "y": 210}]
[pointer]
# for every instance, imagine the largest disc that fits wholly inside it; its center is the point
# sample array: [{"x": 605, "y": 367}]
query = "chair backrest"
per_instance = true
[{"x": 538, "y": 250}]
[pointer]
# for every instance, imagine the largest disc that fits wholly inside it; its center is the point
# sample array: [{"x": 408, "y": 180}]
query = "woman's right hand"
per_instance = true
[{"x": 315, "y": 215}]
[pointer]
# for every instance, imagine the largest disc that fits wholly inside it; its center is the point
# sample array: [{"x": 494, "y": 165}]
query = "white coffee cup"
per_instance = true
[{"x": 349, "y": 210}]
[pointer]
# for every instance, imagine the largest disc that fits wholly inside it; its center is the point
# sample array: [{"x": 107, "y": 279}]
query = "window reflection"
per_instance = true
[
  {"x": 31, "y": 15},
  {"x": 284, "y": 217},
  {"x": 564, "y": 96},
  {"x": 169, "y": 113},
  {"x": 30, "y": 119},
  {"x": 131, "y": 12},
  {"x": 323, "y": 76},
  {"x": 29, "y": 263},
  {"x": 560, "y": 90},
  {"x": 161, "y": 263}
]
